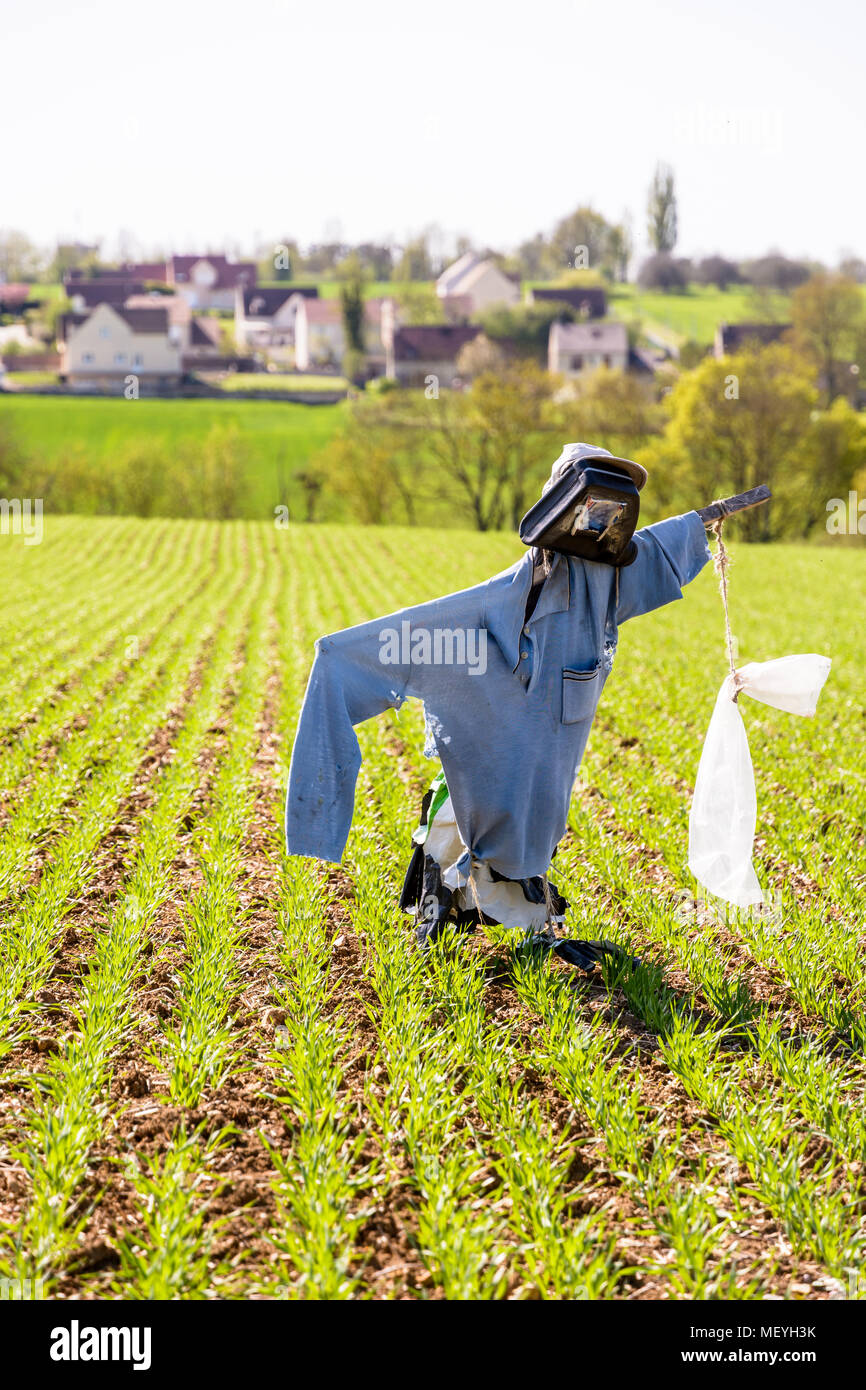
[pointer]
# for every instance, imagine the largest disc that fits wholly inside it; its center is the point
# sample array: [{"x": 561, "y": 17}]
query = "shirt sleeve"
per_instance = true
[
  {"x": 356, "y": 674},
  {"x": 669, "y": 555}
]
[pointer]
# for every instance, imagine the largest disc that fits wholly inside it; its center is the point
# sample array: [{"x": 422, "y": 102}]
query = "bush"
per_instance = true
[
  {"x": 715, "y": 270},
  {"x": 662, "y": 272},
  {"x": 776, "y": 272}
]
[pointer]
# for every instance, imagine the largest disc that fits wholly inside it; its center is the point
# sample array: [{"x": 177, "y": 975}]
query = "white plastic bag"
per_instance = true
[{"x": 724, "y": 807}]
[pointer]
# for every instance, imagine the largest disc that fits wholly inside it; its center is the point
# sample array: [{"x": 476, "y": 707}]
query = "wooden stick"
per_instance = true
[{"x": 717, "y": 511}]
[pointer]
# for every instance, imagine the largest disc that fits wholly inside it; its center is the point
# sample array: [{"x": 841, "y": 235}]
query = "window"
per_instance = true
[
  {"x": 87, "y": 359},
  {"x": 120, "y": 359},
  {"x": 138, "y": 360},
  {"x": 105, "y": 332}
]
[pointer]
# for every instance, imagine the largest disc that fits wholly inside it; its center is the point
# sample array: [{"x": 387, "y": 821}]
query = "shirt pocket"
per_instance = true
[{"x": 580, "y": 692}]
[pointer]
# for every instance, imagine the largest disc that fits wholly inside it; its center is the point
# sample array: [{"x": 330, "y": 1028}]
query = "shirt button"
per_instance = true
[
  {"x": 524, "y": 656},
  {"x": 526, "y": 630}
]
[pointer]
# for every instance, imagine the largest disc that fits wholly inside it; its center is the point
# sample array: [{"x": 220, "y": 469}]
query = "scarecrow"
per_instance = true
[{"x": 510, "y": 672}]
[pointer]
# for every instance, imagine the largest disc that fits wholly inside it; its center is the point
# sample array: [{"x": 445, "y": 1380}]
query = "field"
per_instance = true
[
  {"x": 694, "y": 314},
  {"x": 239, "y": 382},
  {"x": 279, "y": 437},
  {"x": 226, "y": 1074}
]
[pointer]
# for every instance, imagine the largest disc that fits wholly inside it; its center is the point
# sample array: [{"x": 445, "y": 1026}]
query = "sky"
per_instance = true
[{"x": 187, "y": 126}]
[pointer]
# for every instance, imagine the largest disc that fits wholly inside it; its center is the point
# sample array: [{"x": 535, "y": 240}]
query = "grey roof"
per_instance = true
[
  {"x": 264, "y": 303},
  {"x": 144, "y": 320},
  {"x": 608, "y": 336},
  {"x": 734, "y": 335}
]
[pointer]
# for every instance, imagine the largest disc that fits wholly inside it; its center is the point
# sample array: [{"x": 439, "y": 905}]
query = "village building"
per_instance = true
[
  {"x": 265, "y": 318},
  {"x": 416, "y": 352},
  {"x": 104, "y": 347},
  {"x": 573, "y": 348},
  {"x": 473, "y": 284}
]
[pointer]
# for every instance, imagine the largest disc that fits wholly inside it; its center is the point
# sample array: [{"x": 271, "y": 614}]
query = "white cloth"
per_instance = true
[
  {"x": 503, "y": 900},
  {"x": 724, "y": 807}
]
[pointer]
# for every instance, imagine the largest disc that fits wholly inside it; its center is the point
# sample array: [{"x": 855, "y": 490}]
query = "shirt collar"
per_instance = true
[{"x": 504, "y": 616}]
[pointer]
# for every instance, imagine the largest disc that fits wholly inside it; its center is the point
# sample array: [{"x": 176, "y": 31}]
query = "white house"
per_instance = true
[
  {"x": 265, "y": 318},
  {"x": 198, "y": 336},
  {"x": 472, "y": 285},
  {"x": 209, "y": 282},
  {"x": 111, "y": 343},
  {"x": 574, "y": 347},
  {"x": 319, "y": 337}
]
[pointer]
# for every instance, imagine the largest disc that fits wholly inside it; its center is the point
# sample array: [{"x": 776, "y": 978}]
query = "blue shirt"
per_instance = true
[{"x": 510, "y": 703}]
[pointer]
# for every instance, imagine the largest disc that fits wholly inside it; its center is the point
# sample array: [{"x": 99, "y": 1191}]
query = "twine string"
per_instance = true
[{"x": 721, "y": 564}]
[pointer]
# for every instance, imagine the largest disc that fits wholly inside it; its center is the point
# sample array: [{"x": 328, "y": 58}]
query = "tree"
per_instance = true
[
  {"x": 418, "y": 303},
  {"x": 42, "y": 321},
  {"x": 734, "y": 423},
  {"x": 615, "y": 408},
  {"x": 526, "y": 326},
  {"x": 373, "y": 462},
  {"x": 482, "y": 449},
  {"x": 415, "y": 263},
  {"x": 662, "y": 272},
  {"x": 352, "y": 303},
  {"x": 280, "y": 260},
  {"x": 492, "y": 441},
  {"x": 479, "y": 356},
  {"x": 20, "y": 258},
  {"x": 716, "y": 270},
  {"x": 854, "y": 267},
  {"x": 834, "y": 454},
  {"x": 583, "y": 228},
  {"x": 311, "y": 483},
  {"x": 775, "y": 272},
  {"x": 620, "y": 249},
  {"x": 534, "y": 257},
  {"x": 662, "y": 210},
  {"x": 830, "y": 327}
]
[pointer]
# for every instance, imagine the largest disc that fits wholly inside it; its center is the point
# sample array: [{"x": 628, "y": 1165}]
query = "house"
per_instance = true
[
  {"x": 731, "y": 337},
  {"x": 210, "y": 282},
  {"x": 15, "y": 298},
  {"x": 418, "y": 351},
  {"x": 199, "y": 336},
  {"x": 105, "y": 346},
  {"x": 204, "y": 343},
  {"x": 265, "y": 318},
  {"x": 139, "y": 271},
  {"x": 84, "y": 294},
  {"x": 320, "y": 339},
  {"x": 473, "y": 284},
  {"x": 574, "y": 347},
  {"x": 156, "y": 271},
  {"x": 589, "y": 301}
]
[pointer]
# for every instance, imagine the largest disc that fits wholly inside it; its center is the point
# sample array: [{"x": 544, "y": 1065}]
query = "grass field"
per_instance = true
[
  {"x": 226, "y": 1074},
  {"x": 279, "y": 437},
  {"x": 695, "y": 314},
  {"x": 237, "y": 383}
]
